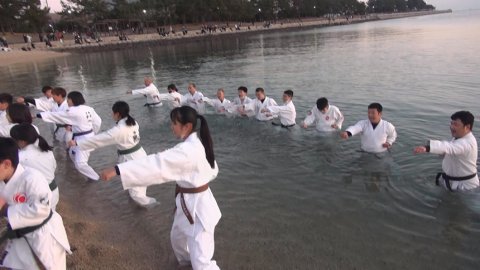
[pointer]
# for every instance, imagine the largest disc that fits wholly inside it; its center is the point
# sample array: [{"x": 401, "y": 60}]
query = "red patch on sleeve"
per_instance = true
[
  {"x": 19, "y": 198},
  {"x": 327, "y": 118}
]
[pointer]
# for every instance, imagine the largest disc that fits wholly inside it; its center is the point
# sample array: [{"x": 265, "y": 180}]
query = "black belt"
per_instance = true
[
  {"x": 449, "y": 178},
  {"x": 152, "y": 104},
  {"x": 59, "y": 126},
  {"x": 181, "y": 190},
  {"x": 19, "y": 233},
  {"x": 53, "y": 185},
  {"x": 81, "y": 133},
  {"x": 282, "y": 125},
  {"x": 129, "y": 151}
]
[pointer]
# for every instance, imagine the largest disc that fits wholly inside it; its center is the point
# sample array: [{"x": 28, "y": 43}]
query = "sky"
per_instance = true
[{"x": 440, "y": 4}]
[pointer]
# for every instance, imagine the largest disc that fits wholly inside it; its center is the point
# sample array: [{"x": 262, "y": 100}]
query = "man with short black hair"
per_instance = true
[
  {"x": 194, "y": 99},
  {"x": 377, "y": 135},
  {"x": 327, "y": 117},
  {"x": 459, "y": 155},
  {"x": 220, "y": 104},
  {"x": 261, "y": 102},
  {"x": 286, "y": 113}
]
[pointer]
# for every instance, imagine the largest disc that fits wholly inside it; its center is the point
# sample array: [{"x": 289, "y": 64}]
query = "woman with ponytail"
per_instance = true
[
  {"x": 37, "y": 154},
  {"x": 191, "y": 164},
  {"x": 126, "y": 136}
]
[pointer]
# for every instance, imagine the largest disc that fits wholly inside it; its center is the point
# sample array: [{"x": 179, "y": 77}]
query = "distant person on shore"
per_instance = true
[
  {"x": 326, "y": 117},
  {"x": 261, "y": 102},
  {"x": 44, "y": 103},
  {"x": 5, "y": 101},
  {"x": 194, "y": 99},
  {"x": 459, "y": 154},
  {"x": 35, "y": 153},
  {"x": 36, "y": 237},
  {"x": 85, "y": 123},
  {"x": 286, "y": 113},
  {"x": 150, "y": 92},
  {"x": 220, "y": 103},
  {"x": 191, "y": 164},
  {"x": 126, "y": 136},
  {"x": 377, "y": 135},
  {"x": 3, "y": 41}
]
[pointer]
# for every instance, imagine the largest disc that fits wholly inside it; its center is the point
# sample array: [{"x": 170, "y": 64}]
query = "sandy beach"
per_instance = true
[{"x": 18, "y": 56}]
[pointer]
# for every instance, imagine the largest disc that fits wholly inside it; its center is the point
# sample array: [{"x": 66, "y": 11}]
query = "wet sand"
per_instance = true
[{"x": 18, "y": 56}]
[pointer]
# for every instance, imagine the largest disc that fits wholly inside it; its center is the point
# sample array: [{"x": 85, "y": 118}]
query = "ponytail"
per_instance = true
[
  {"x": 130, "y": 121},
  {"x": 206, "y": 140},
  {"x": 43, "y": 145}
]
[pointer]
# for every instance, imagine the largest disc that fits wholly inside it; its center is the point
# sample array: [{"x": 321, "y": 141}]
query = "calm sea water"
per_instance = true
[{"x": 296, "y": 199}]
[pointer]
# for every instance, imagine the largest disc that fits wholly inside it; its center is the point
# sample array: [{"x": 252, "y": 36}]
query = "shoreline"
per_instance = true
[{"x": 17, "y": 56}]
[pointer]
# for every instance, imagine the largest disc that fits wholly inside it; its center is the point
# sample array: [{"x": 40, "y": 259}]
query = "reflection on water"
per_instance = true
[{"x": 296, "y": 199}]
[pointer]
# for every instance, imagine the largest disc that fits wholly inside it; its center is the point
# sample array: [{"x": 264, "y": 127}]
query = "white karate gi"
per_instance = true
[
  {"x": 29, "y": 198},
  {"x": 82, "y": 118},
  {"x": 44, "y": 162},
  {"x": 219, "y": 106},
  {"x": 61, "y": 134},
  {"x": 286, "y": 113},
  {"x": 236, "y": 106},
  {"x": 3, "y": 118},
  {"x": 460, "y": 159},
  {"x": 195, "y": 101},
  {"x": 174, "y": 98},
  {"x": 125, "y": 137},
  {"x": 44, "y": 104},
  {"x": 186, "y": 164},
  {"x": 373, "y": 139},
  {"x": 151, "y": 91},
  {"x": 324, "y": 121},
  {"x": 256, "y": 107}
]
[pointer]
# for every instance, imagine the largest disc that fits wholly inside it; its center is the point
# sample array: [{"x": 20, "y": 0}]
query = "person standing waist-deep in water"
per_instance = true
[{"x": 192, "y": 165}]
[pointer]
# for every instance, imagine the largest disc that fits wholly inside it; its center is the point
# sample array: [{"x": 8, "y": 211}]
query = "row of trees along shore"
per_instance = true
[{"x": 28, "y": 16}]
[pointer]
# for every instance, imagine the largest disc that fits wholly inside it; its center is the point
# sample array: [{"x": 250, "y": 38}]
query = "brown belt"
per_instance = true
[{"x": 182, "y": 190}]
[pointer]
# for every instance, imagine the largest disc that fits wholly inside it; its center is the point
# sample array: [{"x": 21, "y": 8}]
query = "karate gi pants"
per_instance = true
[{"x": 192, "y": 244}]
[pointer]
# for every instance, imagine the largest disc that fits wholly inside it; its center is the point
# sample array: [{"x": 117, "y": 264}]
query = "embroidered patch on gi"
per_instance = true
[
  {"x": 327, "y": 118},
  {"x": 309, "y": 113},
  {"x": 19, "y": 198}
]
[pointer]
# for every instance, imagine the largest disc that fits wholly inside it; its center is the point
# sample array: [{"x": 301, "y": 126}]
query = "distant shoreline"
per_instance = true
[{"x": 154, "y": 39}]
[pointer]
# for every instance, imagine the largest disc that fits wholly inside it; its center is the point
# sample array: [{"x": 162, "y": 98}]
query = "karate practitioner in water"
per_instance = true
[
  {"x": 286, "y": 113},
  {"x": 62, "y": 133},
  {"x": 236, "y": 107},
  {"x": 261, "y": 102},
  {"x": 44, "y": 103},
  {"x": 35, "y": 231},
  {"x": 191, "y": 164},
  {"x": 85, "y": 123},
  {"x": 219, "y": 104},
  {"x": 37, "y": 154},
  {"x": 194, "y": 99},
  {"x": 150, "y": 91},
  {"x": 377, "y": 135},
  {"x": 326, "y": 117},
  {"x": 459, "y": 163},
  {"x": 126, "y": 136}
]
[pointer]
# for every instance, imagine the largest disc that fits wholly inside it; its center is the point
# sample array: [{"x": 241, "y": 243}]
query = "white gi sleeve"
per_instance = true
[
  {"x": 64, "y": 118},
  {"x": 43, "y": 104},
  {"x": 36, "y": 208},
  {"x": 100, "y": 140},
  {"x": 357, "y": 128},
  {"x": 444, "y": 147},
  {"x": 338, "y": 118},
  {"x": 391, "y": 134},
  {"x": 167, "y": 97},
  {"x": 310, "y": 119},
  {"x": 167, "y": 166},
  {"x": 143, "y": 91}
]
